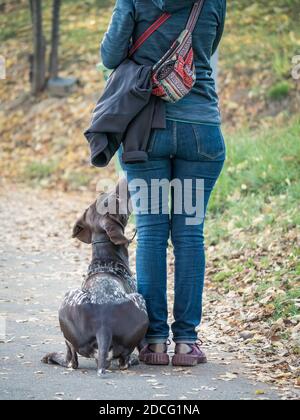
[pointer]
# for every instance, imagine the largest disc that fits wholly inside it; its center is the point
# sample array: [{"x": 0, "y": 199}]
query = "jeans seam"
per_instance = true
[
  {"x": 197, "y": 140},
  {"x": 174, "y": 137}
]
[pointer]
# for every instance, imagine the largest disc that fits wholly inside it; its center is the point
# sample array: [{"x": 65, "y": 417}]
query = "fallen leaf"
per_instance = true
[
  {"x": 259, "y": 392},
  {"x": 228, "y": 376}
]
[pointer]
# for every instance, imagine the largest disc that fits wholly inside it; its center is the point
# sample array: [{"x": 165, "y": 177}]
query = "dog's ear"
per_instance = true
[
  {"x": 81, "y": 230},
  {"x": 114, "y": 230}
]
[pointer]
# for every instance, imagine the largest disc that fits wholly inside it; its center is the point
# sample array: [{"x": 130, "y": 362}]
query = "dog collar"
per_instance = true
[{"x": 106, "y": 240}]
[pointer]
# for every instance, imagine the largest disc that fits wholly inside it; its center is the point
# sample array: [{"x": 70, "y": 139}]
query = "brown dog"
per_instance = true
[{"x": 106, "y": 315}]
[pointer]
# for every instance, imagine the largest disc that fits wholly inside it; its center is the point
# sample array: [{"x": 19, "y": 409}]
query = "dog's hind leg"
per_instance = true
[
  {"x": 71, "y": 357},
  {"x": 104, "y": 338},
  {"x": 70, "y": 361}
]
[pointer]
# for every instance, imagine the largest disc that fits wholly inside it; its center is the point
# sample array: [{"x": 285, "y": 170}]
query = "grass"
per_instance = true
[
  {"x": 261, "y": 38},
  {"x": 37, "y": 171},
  {"x": 259, "y": 165},
  {"x": 286, "y": 306},
  {"x": 259, "y": 45},
  {"x": 279, "y": 91},
  {"x": 15, "y": 24},
  {"x": 281, "y": 63},
  {"x": 221, "y": 276},
  {"x": 254, "y": 208},
  {"x": 259, "y": 186},
  {"x": 82, "y": 24},
  {"x": 77, "y": 180}
]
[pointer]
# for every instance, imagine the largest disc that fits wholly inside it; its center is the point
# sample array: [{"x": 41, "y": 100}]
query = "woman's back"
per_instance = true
[{"x": 132, "y": 17}]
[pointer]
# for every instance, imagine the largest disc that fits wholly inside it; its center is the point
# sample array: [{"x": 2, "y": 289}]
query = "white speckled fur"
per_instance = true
[{"x": 101, "y": 289}]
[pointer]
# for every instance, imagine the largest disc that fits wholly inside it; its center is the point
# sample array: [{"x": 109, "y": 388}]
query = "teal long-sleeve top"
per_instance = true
[{"x": 131, "y": 18}]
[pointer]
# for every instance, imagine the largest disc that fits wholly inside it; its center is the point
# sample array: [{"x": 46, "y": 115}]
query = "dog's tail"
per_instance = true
[{"x": 104, "y": 339}]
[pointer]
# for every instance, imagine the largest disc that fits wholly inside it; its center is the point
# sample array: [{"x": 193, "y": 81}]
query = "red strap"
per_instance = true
[{"x": 149, "y": 32}]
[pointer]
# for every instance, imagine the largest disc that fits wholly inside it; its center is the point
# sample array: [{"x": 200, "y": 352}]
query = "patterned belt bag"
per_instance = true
[{"x": 174, "y": 75}]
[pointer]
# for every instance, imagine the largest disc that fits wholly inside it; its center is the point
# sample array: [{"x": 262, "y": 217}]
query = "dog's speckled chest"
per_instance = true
[{"x": 103, "y": 288}]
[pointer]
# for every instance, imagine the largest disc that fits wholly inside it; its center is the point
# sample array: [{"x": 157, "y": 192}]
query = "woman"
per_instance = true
[{"x": 190, "y": 148}]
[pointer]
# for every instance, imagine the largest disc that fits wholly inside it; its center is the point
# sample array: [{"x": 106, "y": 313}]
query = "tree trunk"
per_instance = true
[
  {"x": 38, "y": 70},
  {"x": 53, "y": 63}
]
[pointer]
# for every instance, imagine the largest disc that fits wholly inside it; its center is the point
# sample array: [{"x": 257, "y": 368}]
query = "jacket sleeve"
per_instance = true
[
  {"x": 220, "y": 29},
  {"x": 115, "y": 44}
]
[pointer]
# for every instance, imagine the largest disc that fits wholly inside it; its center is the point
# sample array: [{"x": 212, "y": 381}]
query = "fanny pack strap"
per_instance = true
[
  {"x": 194, "y": 15},
  {"x": 191, "y": 23},
  {"x": 165, "y": 16}
]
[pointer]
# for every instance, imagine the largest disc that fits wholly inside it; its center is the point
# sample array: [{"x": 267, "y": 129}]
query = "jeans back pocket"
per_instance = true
[{"x": 210, "y": 142}]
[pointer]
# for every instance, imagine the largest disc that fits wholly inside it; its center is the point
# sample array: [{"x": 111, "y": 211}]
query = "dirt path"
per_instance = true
[{"x": 38, "y": 262}]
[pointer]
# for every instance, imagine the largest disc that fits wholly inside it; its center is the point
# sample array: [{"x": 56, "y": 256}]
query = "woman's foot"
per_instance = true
[
  {"x": 188, "y": 355},
  {"x": 155, "y": 354}
]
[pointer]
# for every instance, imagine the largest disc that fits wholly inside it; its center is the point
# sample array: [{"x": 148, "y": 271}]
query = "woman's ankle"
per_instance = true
[{"x": 158, "y": 347}]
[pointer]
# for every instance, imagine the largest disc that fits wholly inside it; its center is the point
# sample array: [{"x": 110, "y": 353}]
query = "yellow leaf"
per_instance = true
[{"x": 259, "y": 392}]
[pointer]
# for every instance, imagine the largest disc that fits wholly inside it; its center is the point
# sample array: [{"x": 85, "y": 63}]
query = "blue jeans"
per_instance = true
[{"x": 181, "y": 151}]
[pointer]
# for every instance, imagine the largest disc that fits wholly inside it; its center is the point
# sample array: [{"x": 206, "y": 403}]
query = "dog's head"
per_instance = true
[{"x": 109, "y": 214}]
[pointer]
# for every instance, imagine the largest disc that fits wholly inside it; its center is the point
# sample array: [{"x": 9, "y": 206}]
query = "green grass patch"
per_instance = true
[
  {"x": 259, "y": 166},
  {"x": 279, "y": 91},
  {"x": 77, "y": 180},
  {"x": 221, "y": 276},
  {"x": 37, "y": 171},
  {"x": 16, "y": 24},
  {"x": 286, "y": 306},
  {"x": 253, "y": 30}
]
